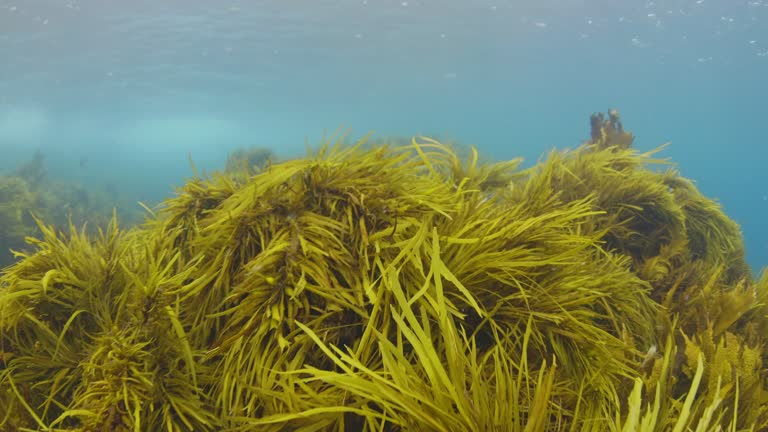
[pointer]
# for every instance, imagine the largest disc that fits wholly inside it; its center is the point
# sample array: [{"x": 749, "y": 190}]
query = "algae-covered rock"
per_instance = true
[{"x": 396, "y": 288}]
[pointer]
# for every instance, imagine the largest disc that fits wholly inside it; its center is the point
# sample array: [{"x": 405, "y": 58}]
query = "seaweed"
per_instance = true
[
  {"x": 244, "y": 162},
  {"x": 29, "y": 193},
  {"x": 16, "y": 201},
  {"x": 396, "y": 287}
]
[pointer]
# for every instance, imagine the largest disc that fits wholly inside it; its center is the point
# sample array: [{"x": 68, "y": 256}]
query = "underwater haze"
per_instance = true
[{"x": 115, "y": 95}]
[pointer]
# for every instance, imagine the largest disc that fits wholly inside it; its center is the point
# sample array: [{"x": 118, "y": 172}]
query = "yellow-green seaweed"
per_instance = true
[{"x": 393, "y": 288}]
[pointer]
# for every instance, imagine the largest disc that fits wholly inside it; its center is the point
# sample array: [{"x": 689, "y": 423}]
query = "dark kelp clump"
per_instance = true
[{"x": 396, "y": 288}]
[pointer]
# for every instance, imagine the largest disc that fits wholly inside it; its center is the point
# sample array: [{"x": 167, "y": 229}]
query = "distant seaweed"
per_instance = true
[
  {"x": 30, "y": 192},
  {"x": 245, "y": 162}
]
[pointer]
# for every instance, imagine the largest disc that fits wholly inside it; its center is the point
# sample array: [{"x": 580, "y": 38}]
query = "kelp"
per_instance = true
[
  {"x": 396, "y": 287},
  {"x": 87, "y": 339}
]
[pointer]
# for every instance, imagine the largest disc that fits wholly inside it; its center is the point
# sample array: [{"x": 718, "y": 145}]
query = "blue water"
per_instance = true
[{"x": 135, "y": 86}]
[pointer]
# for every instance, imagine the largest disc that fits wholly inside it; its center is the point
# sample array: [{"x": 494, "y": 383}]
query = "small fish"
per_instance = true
[{"x": 83, "y": 162}]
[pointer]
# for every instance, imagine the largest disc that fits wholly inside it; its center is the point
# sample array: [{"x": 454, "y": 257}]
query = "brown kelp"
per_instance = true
[{"x": 396, "y": 287}]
